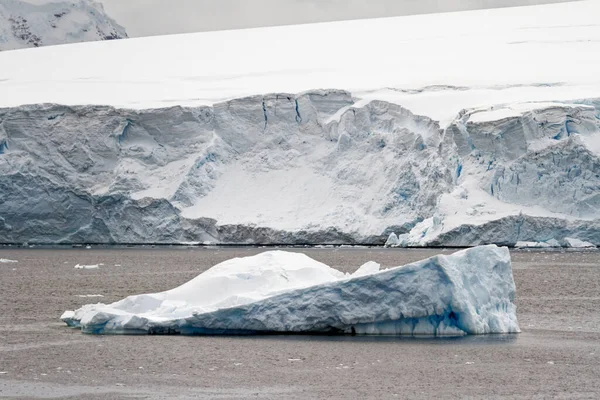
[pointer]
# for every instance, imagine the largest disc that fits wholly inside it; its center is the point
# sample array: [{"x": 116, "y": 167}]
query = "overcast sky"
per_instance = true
[{"x": 154, "y": 17}]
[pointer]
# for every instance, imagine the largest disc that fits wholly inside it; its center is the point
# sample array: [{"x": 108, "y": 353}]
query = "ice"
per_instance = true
[
  {"x": 540, "y": 245},
  {"x": 378, "y": 169},
  {"x": 469, "y": 292},
  {"x": 526, "y": 245},
  {"x": 392, "y": 240},
  {"x": 553, "y": 243},
  {"x": 7, "y": 261},
  {"x": 94, "y": 266},
  {"x": 577, "y": 243},
  {"x": 397, "y": 240}
]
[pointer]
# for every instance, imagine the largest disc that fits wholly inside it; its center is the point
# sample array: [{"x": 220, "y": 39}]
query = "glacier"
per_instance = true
[
  {"x": 469, "y": 292},
  {"x": 25, "y": 25},
  {"x": 315, "y": 168},
  {"x": 197, "y": 147}
]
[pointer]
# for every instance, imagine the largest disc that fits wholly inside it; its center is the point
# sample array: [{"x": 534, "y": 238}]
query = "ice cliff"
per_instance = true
[
  {"x": 24, "y": 25},
  {"x": 469, "y": 292},
  {"x": 316, "y": 167}
]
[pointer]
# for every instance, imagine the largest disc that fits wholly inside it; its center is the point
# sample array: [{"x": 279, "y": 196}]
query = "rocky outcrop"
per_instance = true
[{"x": 24, "y": 25}]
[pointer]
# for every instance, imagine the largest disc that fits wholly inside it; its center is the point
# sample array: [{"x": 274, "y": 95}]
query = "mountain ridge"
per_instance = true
[{"x": 26, "y": 25}]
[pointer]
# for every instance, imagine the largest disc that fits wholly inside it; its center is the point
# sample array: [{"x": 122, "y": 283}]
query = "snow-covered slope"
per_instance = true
[
  {"x": 469, "y": 292},
  {"x": 433, "y": 64},
  {"x": 24, "y": 25},
  {"x": 462, "y": 129}
]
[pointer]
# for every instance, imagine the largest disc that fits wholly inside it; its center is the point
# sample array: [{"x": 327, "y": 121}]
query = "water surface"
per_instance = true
[{"x": 557, "y": 355}]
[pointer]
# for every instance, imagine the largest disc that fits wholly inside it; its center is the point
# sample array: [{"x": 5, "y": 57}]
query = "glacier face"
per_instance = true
[
  {"x": 317, "y": 167},
  {"x": 469, "y": 292},
  {"x": 24, "y": 25}
]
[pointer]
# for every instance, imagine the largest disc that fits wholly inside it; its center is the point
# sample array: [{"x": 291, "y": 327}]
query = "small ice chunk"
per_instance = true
[
  {"x": 94, "y": 266},
  {"x": 578, "y": 244},
  {"x": 553, "y": 243},
  {"x": 67, "y": 315},
  {"x": 531, "y": 245},
  {"x": 7, "y": 261},
  {"x": 392, "y": 241}
]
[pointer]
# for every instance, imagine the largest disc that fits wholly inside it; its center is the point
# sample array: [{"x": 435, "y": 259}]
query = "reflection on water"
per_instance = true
[{"x": 487, "y": 340}]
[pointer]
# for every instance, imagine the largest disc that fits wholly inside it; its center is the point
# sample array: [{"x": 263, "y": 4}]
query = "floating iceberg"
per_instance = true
[
  {"x": 393, "y": 240},
  {"x": 534, "y": 245},
  {"x": 94, "y": 266},
  {"x": 468, "y": 292},
  {"x": 579, "y": 244}
]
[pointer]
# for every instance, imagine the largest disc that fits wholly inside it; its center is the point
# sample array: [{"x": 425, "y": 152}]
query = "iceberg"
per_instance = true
[
  {"x": 533, "y": 245},
  {"x": 393, "y": 240},
  {"x": 93, "y": 266},
  {"x": 469, "y": 292},
  {"x": 578, "y": 244}
]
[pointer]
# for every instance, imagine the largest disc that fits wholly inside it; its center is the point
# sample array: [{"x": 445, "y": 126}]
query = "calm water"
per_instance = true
[{"x": 556, "y": 356}]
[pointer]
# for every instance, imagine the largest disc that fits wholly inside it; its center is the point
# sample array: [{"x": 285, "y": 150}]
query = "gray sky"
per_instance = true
[{"x": 154, "y": 17}]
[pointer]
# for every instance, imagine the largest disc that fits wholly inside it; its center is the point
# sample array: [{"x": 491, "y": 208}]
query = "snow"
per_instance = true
[
  {"x": 513, "y": 110},
  {"x": 469, "y": 292},
  {"x": 94, "y": 266},
  {"x": 457, "y": 59},
  {"x": 24, "y": 25},
  {"x": 367, "y": 268},
  {"x": 291, "y": 189},
  {"x": 7, "y": 261},
  {"x": 454, "y": 130}
]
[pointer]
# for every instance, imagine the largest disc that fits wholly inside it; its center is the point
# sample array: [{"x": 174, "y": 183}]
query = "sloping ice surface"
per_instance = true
[{"x": 469, "y": 292}]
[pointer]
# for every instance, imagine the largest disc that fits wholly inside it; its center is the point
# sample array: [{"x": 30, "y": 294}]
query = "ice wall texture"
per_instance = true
[
  {"x": 469, "y": 292},
  {"x": 25, "y": 25},
  {"x": 317, "y": 167}
]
